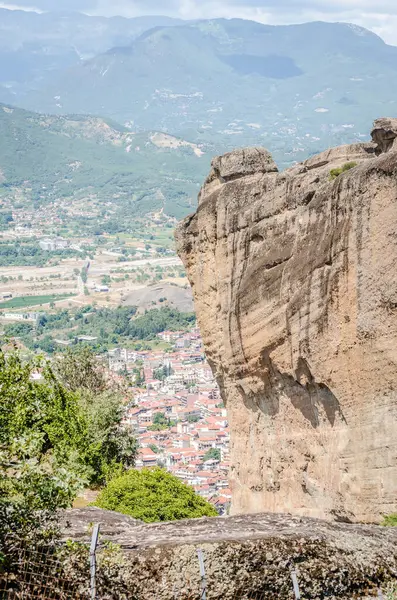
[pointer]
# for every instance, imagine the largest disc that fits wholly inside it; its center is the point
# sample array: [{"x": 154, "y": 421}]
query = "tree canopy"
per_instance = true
[
  {"x": 153, "y": 495},
  {"x": 55, "y": 438},
  {"x": 213, "y": 454},
  {"x": 73, "y": 416},
  {"x": 101, "y": 402}
]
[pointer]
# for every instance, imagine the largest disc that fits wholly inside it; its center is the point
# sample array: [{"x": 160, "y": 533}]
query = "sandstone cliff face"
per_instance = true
[{"x": 295, "y": 285}]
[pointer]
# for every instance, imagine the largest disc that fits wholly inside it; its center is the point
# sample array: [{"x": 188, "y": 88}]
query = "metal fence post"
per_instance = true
[
  {"x": 200, "y": 555},
  {"x": 295, "y": 583},
  {"x": 94, "y": 543}
]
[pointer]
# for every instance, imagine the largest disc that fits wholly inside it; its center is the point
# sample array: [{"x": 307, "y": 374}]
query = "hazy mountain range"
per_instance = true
[{"x": 218, "y": 83}]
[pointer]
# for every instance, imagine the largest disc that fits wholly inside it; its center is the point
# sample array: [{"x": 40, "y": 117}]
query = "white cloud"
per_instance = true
[{"x": 17, "y": 7}]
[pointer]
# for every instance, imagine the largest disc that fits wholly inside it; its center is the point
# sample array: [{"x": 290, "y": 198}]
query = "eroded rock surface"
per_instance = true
[
  {"x": 76, "y": 524},
  {"x": 245, "y": 557},
  {"x": 295, "y": 284}
]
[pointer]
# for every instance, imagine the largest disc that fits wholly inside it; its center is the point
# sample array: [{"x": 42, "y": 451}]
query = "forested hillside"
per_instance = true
[{"x": 47, "y": 158}]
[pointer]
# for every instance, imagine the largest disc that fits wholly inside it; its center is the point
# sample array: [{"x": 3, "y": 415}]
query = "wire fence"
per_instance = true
[
  {"x": 43, "y": 574},
  {"x": 72, "y": 573}
]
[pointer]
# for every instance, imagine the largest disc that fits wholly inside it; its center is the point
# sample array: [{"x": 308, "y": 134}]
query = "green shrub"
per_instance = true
[
  {"x": 213, "y": 454},
  {"x": 334, "y": 173},
  {"x": 153, "y": 495},
  {"x": 74, "y": 418},
  {"x": 390, "y": 520}
]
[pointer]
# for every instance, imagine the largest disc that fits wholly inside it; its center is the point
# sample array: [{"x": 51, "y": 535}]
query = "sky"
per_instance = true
[{"x": 379, "y": 16}]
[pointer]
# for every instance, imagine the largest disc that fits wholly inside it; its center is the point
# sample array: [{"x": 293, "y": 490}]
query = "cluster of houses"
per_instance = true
[
  {"x": 178, "y": 415},
  {"x": 52, "y": 244}
]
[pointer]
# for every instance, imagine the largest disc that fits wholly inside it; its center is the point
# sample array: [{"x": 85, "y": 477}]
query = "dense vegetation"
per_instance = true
[
  {"x": 71, "y": 418},
  {"x": 390, "y": 520},
  {"x": 212, "y": 454},
  {"x": 26, "y": 255},
  {"x": 110, "y": 327},
  {"x": 46, "y": 158},
  {"x": 57, "y": 434},
  {"x": 153, "y": 495},
  {"x": 334, "y": 173},
  {"x": 63, "y": 432},
  {"x": 155, "y": 321}
]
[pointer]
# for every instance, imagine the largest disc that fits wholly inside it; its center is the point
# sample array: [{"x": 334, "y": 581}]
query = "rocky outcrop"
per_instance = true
[
  {"x": 244, "y": 557},
  {"x": 295, "y": 286}
]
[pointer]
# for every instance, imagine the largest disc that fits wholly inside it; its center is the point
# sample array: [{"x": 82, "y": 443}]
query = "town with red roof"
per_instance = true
[{"x": 178, "y": 415}]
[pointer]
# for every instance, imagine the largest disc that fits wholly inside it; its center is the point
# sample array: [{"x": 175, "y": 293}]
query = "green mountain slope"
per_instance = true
[
  {"x": 34, "y": 46},
  {"x": 47, "y": 158},
  {"x": 294, "y": 89}
]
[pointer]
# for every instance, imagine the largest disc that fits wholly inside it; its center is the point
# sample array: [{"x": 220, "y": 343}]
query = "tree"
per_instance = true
[
  {"x": 139, "y": 374},
  {"x": 160, "y": 422},
  {"x": 193, "y": 418},
  {"x": 32, "y": 488},
  {"x": 41, "y": 432},
  {"x": 18, "y": 329},
  {"x": 78, "y": 369},
  {"x": 153, "y": 495},
  {"x": 213, "y": 454},
  {"x": 108, "y": 444},
  {"x": 45, "y": 408},
  {"x": 79, "y": 428},
  {"x": 162, "y": 373}
]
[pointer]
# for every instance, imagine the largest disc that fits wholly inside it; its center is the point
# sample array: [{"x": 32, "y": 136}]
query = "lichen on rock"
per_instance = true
[{"x": 244, "y": 556}]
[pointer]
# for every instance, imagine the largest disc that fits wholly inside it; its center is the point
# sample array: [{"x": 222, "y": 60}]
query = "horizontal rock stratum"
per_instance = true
[
  {"x": 244, "y": 557},
  {"x": 294, "y": 276}
]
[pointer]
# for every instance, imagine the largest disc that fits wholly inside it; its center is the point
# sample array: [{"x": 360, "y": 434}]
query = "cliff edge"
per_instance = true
[
  {"x": 243, "y": 556},
  {"x": 295, "y": 287}
]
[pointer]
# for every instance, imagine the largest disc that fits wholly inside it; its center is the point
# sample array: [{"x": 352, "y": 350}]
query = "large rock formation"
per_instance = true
[
  {"x": 294, "y": 278},
  {"x": 244, "y": 557}
]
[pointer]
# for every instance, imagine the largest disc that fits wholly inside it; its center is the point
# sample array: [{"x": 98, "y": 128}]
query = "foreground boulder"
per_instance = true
[
  {"x": 244, "y": 557},
  {"x": 295, "y": 285}
]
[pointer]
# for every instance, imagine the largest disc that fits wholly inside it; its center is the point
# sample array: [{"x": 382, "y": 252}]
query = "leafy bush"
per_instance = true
[
  {"x": 75, "y": 428},
  {"x": 32, "y": 489},
  {"x": 147, "y": 326},
  {"x": 41, "y": 429},
  {"x": 390, "y": 520},
  {"x": 107, "y": 444},
  {"x": 213, "y": 454},
  {"x": 54, "y": 439},
  {"x": 334, "y": 173},
  {"x": 153, "y": 495}
]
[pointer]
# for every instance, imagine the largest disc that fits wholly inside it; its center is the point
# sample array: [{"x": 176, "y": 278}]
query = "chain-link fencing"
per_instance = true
[{"x": 71, "y": 572}]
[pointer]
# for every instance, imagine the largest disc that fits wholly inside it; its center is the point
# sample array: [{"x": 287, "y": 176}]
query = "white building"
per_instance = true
[{"x": 52, "y": 244}]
